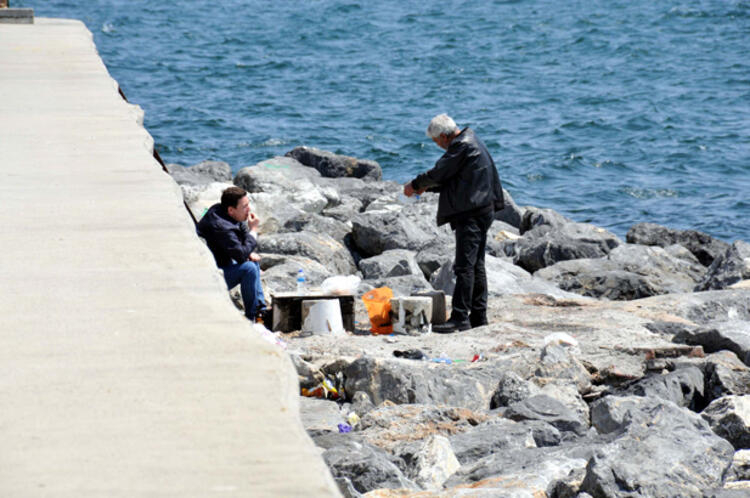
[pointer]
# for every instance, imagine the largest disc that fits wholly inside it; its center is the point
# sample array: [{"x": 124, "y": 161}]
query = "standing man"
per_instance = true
[
  {"x": 231, "y": 232},
  {"x": 470, "y": 193}
]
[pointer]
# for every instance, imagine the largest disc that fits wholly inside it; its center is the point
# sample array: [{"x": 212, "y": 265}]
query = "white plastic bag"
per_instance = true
[{"x": 340, "y": 285}]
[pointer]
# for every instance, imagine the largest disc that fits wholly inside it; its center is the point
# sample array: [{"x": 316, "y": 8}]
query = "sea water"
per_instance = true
[{"x": 611, "y": 112}]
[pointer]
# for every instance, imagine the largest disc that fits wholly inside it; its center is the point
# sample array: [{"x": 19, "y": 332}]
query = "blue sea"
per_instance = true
[{"x": 611, "y": 112}]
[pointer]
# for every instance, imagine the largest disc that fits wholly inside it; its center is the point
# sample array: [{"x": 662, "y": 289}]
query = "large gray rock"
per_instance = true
[
  {"x": 536, "y": 217},
  {"x": 391, "y": 263},
  {"x": 660, "y": 450},
  {"x": 374, "y": 232},
  {"x": 683, "y": 387},
  {"x": 703, "y": 246},
  {"x": 546, "y": 245},
  {"x": 319, "y": 247},
  {"x": 732, "y": 335},
  {"x": 490, "y": 437},
  {"x": 547, "y": 409},
  {"x": 558, "y": 362},
  {"x": 435, "y": 254},
  {"x": 282, "y": 275},
  {"x": 408, "y": 381},
  {"x": 277, "y": 175},
  {"x": 628, "y": 272},
  {"x": 201, "y": 174},
  {"x": 512, "y": 389},
  {"x": 334, "y": 165},
  {"x": 404, "y": 285},
  {"x": 728, "y": 268},
  {"x": 740, "y": 469},
  {"x": 274, "y": 211},
  {"x": 429, "y": 462},
  {"x": 316, "y": 223},
  {"x": 729, "y": 417},
  {"x": 364, "y": 467},
  {"x": 725, "y": 374}
]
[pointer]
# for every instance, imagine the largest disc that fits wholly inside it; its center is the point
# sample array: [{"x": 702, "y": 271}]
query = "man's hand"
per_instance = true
[
  {"x": 408, "y": 190},
  {"x": 253, "y": 222},
  {"x": 254, "y": 256}
]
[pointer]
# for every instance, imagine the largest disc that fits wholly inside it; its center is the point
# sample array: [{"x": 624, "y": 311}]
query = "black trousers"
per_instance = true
[{"x": 470, "y": 294}]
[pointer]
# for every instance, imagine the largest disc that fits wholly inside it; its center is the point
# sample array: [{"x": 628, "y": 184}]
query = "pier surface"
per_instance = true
[{"x": 124, "y": 368}]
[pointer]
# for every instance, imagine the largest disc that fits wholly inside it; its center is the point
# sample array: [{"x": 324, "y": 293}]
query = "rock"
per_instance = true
[
  {"x": 544, "y": 408},
  {"x": 430, "y": 462},
  {"x": 493, "y": 436},
  {"x": 499, "y": 236},
  {"x": 703, "y": 246},
  {"x": 364, "y": 466},
  {"x": 316, "y": 223},
  {"x": 511, "y": 213},
  {"x": 683, "y": 387},
  {"x": 274, "y": 211},
  {"x": 559, "y": 362},
  {"x": 627, "y": 272},
  {"x": 729, "y": 417},
  {"x": 546, "y": 245},
  {"x": 725, "y": 374},
  {"x": 730, "y": 267},
  {"x": 522, "y": 472},
  {"x": 512, "y": 389},
  {"x": 733, "y": 335},
  {"x": 543, "y": 433},
  {"x": 377, "y": 231},
  {"x": 391, "y": 426},
  {"x": 740, "y": 469},
  {"x": 345, "y": 210},
  {"x": 201, "y": 197},
  {"x": 202, "y": 173},
  {"x": 334, "y": 165},
  {"x": 535, "y": 217},
  {"x": 409, "y": 382},
  {"x": 282, "y": 276},
  {"x": 434, "y": 255},
  {"x": 405, "y": 285},
  {"x": 503, "y": 278},
  {"x": 319, "y": 247},
  {"x": 277, "y": 175},
  {"x": 391, "y": 263},
  {"x": 568, "y": 395},
  {"x": 709, "y": 307},
  {"x": 684, "y": 456}
]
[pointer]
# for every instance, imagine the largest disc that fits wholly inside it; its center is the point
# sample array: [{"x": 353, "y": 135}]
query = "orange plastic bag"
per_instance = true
[{"x": 378, "y": 304}]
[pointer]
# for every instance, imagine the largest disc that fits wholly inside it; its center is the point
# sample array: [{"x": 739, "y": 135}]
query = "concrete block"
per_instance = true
[{"x": 16, "y": 16}]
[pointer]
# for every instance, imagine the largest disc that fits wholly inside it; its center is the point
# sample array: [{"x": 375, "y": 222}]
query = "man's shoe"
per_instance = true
[
  {"x": 451, "y": 326},
  {"x": 478, "y": 321}
]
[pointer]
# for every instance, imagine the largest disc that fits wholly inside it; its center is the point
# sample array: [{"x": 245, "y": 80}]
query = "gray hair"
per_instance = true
[{"x": 442, "y": 124}]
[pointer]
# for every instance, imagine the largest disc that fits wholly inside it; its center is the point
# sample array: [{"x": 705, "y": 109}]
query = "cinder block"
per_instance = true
[{"x": 16, "y": 16}]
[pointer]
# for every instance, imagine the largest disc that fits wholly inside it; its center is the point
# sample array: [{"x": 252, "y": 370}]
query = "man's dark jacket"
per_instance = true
[
  {"x": 466, "y": 178},
  {"x": 227, "y": 238}
]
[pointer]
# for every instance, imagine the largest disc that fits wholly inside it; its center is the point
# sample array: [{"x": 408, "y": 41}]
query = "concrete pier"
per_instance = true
[{"x": 124, "y": 368}]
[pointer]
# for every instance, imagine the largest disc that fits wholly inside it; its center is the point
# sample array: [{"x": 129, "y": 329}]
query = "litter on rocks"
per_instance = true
[
  {"x": 344, "y": 428},
  {"x": 410, "y": 354},
  {"x": 269, "y": 336}
]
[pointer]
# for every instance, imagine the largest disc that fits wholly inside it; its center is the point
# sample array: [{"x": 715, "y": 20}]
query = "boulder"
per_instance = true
[
  {"x": 429, "y": 462},
  {"x": 405, "y": 285},
  {"x": 320, "y": 414},
  {"x": 558, "y": 362},
  {"x": 729, "y": 417},
  {"x": 391, "y": 263},
  {"x": 730, "y": 267},
  {"x": 546, "y": 245},
  {"x": 499, "y": 236},
  {"x": 740, "y": 469},
  {"x": 503, "y": 278},
  {"x": 511, "y": 213},
  {"x": 273, "y": 211},
  {"x": 703, "y": 246},
  {"x": 363, "y": 467},
  {"x": 732, "y": 335},
  {"x": 282, "y": 276},
  {"x": 436, "y": 253},
  {"x": 277, "y": 175},
  {"x": 317, "y": 246},
  {"x": 493, "y": 436},
  {"x": 316, "y": 223},
  {"x": 725, "y": 374},
  {"x": 202, "y": 173},
  {"x": 628, "y": 272},
  {"x": 377, "y": 231},
  {"x": 512, "y": 389},
  {"x": 684, "y": 456},
  {"x": 683, "y": 387},
  {"x": 201, "y": 197},
  {"x": 547, "y": 409},
  {"x": 334, "y": 165},
  {"x": 409, "y": 382},
  {"x": 535, "y": 217}
]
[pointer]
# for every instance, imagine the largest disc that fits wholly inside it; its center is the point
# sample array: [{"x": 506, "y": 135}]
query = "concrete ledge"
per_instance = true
[
  {"x": 16, "y": 16},
  {"x": 125, "y": 370}
]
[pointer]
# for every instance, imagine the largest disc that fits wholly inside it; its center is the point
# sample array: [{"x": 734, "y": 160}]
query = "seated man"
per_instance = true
[{"x": 230, "y": 230}]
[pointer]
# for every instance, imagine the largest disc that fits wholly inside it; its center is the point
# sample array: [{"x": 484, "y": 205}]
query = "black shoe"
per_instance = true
[
  {"x": 478, "y": 321},
  {"x": 451, "y": 326}
]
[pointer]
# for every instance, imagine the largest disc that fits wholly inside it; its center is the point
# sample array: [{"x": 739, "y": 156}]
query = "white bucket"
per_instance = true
[
  {"x": 322, "y": 317},
  {"x": 412, "y": 314}
]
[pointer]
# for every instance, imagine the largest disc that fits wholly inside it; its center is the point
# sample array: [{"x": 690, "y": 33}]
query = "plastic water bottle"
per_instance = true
[{"x": 300, "y": 281}]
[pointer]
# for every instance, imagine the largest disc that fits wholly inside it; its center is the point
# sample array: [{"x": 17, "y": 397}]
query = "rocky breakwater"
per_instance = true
[{"x": 609, "y": 367}]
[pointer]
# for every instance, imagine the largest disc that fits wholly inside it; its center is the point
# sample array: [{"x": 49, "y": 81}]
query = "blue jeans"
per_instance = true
[{"x": 247, "y": 274}]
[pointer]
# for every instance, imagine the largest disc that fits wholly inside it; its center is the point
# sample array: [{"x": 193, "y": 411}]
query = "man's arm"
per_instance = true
[
  {"x": 238, "y": 244},
  {"x": 446, "y": 167}
]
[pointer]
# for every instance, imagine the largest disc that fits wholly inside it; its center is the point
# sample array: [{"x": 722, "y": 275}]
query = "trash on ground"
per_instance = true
[
  {"x": 410, "y": 354},
  {"x": 378, "y": 304}
]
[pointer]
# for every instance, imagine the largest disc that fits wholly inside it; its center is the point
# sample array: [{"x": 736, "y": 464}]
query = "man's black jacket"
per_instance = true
[
  {"x": 466, "y": 178},
  {"x": 227, "y": 238}
]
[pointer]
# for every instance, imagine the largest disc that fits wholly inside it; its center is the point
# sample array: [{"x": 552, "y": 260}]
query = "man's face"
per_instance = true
[
  {"x": 442, "y": 141},
  {"x": 242, "y": 211}
]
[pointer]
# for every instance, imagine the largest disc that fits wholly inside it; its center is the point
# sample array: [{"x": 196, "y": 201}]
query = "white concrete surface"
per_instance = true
[{"x": 124, "y": 368}]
